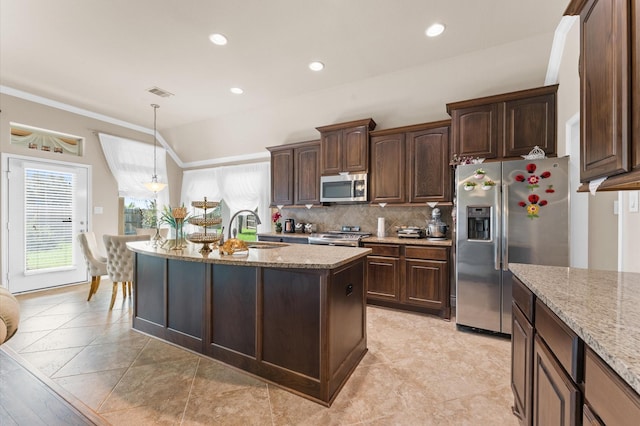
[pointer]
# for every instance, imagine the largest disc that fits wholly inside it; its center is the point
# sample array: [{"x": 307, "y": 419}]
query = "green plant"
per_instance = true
[
  {"x": 167, "y": 216},
  {"x": 150, "y": 215}
]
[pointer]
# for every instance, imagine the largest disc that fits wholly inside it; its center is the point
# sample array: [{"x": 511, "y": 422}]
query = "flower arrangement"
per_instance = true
[
  {"x": 487, "y": 184},
  {"x": 533, "y": 208},
  {"x": 479, "y": 174},
  {"x": 275, "y": 218},
  {"x": 469, "y": 185},
  {"x": 533, "y": 179}
]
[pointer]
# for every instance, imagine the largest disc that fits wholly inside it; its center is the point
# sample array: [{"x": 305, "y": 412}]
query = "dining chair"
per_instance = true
[
  {"x": 96, "y": 262},
  {"x": 120, "y": 262}
]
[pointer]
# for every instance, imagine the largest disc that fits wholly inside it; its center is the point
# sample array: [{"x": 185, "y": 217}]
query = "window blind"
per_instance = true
[{"x": 48, "y": 214}]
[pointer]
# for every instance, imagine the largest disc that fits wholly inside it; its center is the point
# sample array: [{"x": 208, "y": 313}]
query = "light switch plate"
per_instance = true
[{"x": 633, "y": 201}]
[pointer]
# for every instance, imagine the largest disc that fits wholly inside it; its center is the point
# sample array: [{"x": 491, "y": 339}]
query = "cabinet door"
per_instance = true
[
  {"x": 355, "y": 147},
  {"x": 307, "y": 175},
  {"x": 383, "y": 278},
  {"x": 521, "y": 364},
  {"x": 476, "y": 131},
  {"x": 428, "y": 170},
  {"x": 425, "y": 283},
  {"x": 604, "y": 92},
  {"x": 635, "y": 88},
  {"x": 331, "y": 152},
  {"x": 282, "y": 177},
  {"x": 528, "y": 123},
  {"x": 387, "y": 175},
  {"x": 556, "y": 399}
]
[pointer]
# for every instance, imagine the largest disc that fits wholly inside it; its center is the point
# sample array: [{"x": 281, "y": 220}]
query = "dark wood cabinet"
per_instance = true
[
  {"x": 609, "y": 92},
  {"x": 557, "y": 400},
  {"x": 306, "y": 166},
  {"x": 409, "y": 277},
  {"x": 505, "y": 126},
  {"x": 521, "y": 364},
  {"x": 428, "y": 171},
  {"x": 383, "y": 272},
  {"x": 423, "y": 150},
  {"x": 281, "y": 176},
  {"x": 344, "y": 147},
  {"x": 387, "y": 179},
  {"x": 295, "y": 174}
]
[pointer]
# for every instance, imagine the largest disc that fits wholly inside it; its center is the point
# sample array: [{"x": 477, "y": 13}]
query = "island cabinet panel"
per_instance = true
[
  {"x": 233, "y": 308},
  {"x": 303, "y": 329},
  {"x": 293, "y": 345},
  {"x": 556, "y": 399},
  {"x": 346, "y": 293},
  {"x": 149, "y": 290},
  {"x": 185, "y": 307}
]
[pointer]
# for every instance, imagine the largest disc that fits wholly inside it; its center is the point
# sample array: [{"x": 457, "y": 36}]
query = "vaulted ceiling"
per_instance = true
[{"x": 103, "y": 55}]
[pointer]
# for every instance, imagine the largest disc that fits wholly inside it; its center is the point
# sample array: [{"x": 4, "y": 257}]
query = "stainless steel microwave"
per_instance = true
[{"x": 343, "y": 188}]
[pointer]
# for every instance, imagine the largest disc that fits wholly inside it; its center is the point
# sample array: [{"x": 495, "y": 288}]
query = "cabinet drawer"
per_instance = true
[
  {"x": 524, "y": 298},
  {"x": 429, "y": 253},
  {"x": 384, "y": 249},
  {"x": 611, "y": 399},
  {"x": 563, "y": 342}
]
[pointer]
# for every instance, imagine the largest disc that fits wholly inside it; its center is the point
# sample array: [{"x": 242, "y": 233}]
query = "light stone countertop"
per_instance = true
[
  {"x": 601, "y": 307},
  {"x": 296, "y": 256}
]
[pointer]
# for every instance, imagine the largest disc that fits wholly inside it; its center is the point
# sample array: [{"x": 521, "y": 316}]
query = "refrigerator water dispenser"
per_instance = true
[{"x": 479, "y": 223}]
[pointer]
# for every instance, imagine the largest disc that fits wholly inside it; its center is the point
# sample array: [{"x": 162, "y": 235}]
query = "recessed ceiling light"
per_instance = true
[
  {"x": 316, "y": 66},
  {"x": 236, "y": 91},
  {"x": 218, "y": 39},
  {"x": 434, "y": 30}
]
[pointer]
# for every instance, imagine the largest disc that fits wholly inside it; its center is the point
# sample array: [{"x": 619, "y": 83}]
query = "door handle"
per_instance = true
[{"x": 505, "y": 227}]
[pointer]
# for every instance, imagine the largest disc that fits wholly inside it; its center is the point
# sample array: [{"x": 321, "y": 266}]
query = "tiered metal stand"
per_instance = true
[{"x": 205, "y": 238}]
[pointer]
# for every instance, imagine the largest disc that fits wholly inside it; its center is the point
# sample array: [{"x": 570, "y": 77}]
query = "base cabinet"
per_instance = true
[
  {"x": 556, "y": 378},
  {"x": 556, "y": 399},
  {"x": 303, "y": 329},
  {"x": 409, "y": 277}
]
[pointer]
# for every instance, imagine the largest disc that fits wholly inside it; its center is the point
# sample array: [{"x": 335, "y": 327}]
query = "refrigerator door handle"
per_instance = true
[
  {"x": 505, "y": 227},
  {"x": 497, "y": 223}
]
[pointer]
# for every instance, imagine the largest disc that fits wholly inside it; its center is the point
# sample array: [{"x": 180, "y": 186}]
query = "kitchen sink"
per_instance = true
[{"x": 260, "y": 245}]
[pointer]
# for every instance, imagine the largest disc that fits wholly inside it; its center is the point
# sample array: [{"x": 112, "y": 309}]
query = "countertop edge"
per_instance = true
[{"x": 192, "y": 255}]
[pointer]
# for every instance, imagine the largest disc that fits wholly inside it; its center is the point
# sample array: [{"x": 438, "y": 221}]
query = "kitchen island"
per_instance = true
[
  {"x": 575, "y": 345},
  {"x": 293, "y": 315}
]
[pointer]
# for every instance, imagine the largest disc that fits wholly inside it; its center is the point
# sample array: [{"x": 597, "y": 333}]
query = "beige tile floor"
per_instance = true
[{"x": 419, "y": 370}]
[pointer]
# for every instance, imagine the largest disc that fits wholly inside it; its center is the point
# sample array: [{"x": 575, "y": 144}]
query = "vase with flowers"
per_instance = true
[{"x": 275, "y": 218}]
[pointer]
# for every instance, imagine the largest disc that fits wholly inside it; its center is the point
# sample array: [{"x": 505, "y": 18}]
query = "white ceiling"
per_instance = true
[{"x": 102, "y": 55}]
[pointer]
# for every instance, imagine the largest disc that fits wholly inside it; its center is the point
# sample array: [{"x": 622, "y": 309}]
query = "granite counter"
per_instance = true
[{"x": 601, "y": 307}]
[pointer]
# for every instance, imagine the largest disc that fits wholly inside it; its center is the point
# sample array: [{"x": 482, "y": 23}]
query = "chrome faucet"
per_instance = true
[{"x": 235, "y": 231}]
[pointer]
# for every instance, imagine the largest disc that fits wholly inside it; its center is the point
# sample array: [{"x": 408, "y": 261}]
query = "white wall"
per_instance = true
[{"x": 629, "y": 235}]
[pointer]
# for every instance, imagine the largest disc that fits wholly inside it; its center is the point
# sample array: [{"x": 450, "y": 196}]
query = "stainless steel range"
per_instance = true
[{"x": 349, "y": 236}]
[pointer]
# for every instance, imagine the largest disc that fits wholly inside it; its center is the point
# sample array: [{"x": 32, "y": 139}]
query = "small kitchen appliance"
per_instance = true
[
  {"x": 344, "y": 187},
  {"x": 289, "y": 226},
  {"x": 410, "y": 232},
  {"x": 436, "y": 228}
]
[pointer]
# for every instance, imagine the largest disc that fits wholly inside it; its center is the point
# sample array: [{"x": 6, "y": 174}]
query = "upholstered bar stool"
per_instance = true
[
  {"x": 96, "y": 262},
  {"x": 120, "y": 262}
]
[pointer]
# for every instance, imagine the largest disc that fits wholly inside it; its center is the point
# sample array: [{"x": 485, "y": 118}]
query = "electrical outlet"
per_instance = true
[{"x": 633, "y": 201}]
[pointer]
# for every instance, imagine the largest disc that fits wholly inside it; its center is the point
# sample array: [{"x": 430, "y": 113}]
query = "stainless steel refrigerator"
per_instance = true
[{"x": 512, "y": 211}]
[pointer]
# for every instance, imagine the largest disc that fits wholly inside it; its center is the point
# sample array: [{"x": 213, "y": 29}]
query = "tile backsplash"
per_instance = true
[{"x": 333, "y": 217}]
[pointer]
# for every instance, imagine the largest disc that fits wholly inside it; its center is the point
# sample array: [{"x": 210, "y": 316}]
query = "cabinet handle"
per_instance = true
[{"x": 349, "y": 289}]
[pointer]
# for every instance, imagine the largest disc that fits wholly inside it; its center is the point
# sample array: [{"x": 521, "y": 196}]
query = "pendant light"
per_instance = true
[{"x": 154, "y": 185}]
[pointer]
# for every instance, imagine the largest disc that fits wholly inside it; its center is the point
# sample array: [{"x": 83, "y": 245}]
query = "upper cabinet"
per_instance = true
[
  {"x": 423, "y": 150},
  {"x": 344, "y": 147},
  {"x": 609, "y": 91},
  {"x": 505, "y": 126},
  {"x": 295, "y": 174}
]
